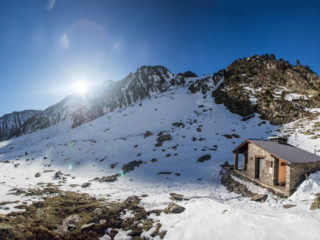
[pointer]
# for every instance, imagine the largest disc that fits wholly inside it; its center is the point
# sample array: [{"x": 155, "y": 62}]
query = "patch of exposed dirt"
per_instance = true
[{"x": 71, "y": 215}]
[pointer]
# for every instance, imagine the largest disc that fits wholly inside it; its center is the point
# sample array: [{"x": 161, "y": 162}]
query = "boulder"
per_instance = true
[
  {"x": 85, "y": 185},
  {"x": 57, "y": 175},
  {"x": 70, "y": 223},
  {"x": 177, "y": 197},
  {"x": 102, "y": 221},
  {"x": 204, "y": 158},
  {"x": 165, "y": 137},
  {"x": 97, "y": 211},
  {"x": 316, "y": 203},
  {"x": 111, "y": 178},
  {"x": 132, "y": 201},
  {"x": 259, "y": 197},
  {"x": 289, "y": 205},
  {"x": 130, "y": 166},
  {"x": 147, "y": 134},
  {"x": 174, "y": 208},
  {"x": 87, "y": 227}
]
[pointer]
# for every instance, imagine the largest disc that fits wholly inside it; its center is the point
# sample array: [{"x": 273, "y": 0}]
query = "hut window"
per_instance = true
[
  {"x": 283, "y": 164},
  {"x": 271, "y": 164}
]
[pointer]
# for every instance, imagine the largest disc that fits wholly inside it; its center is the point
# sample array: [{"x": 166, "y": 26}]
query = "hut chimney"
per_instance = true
[{"x": 278, "y": 139}]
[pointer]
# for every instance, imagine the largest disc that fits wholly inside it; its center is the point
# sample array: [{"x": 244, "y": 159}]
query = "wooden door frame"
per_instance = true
[{"x": 257, "y": 165}]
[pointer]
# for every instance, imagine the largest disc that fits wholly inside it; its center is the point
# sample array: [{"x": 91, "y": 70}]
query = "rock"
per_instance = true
[
  {"x": 177, "y": 197},
  {"x": 154, "y": 160},
  {"x": 70, "y": 223},
  {"x": 130, "y": 166},
  {"x": 6, "y": 231},
  {"x": 178, "y": 124},
  {"x": 165, "y": 137},
  {"x": 132, "y": 201},
  {"x": 316, "y": 203},
  {"x": 174, "y": 208},
  {"x": 40, "y": 212},
  {"x": 3, "y": 218},
  {"x": 259, "y": 197},
  {"x": 111, "y": 178},
  {"x": 85, "y": 185},
  {"x": 162, "y": 234},
  {"x": 113, "y": 165},
  {"x": 71, "y": 227},
  {"x": 147, "y": 134},
  {"x": 97, "y": 211},
  {"x": 234, "y": 186},
  {"x": 37, "y": 174},
  {"x": 57, "y": 175},
  {"x": 74, "y": 185},
  {"x": 102, "y": 221},
  {"x": 87, "y": 227},
  {"x": 289, "y": 205},
  {"x": 164, "y": 173},
  {"x": 204, "y": 158},
  {"x": 228, "y": 136}
]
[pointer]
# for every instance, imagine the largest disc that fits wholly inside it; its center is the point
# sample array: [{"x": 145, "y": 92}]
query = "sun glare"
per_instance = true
[{"x": 81, "y": 87}]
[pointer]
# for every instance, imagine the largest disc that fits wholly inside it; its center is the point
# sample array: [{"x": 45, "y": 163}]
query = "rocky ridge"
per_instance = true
[
  {"x": 10, "y": 123},
  {"x": 277, "y": 90}
]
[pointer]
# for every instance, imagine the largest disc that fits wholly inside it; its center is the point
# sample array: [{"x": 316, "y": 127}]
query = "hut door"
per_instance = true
[
  {"x": 245, "y": 159},
  {"x": 260, "y": 162},
  {"x": 282, "y": 172}
]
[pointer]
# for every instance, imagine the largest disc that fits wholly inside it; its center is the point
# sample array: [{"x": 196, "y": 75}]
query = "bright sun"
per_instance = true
[{"x": 81, "y": 87}]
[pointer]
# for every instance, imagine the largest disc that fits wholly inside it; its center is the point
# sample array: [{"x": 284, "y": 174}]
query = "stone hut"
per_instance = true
[{"x": 275, "y": 164}]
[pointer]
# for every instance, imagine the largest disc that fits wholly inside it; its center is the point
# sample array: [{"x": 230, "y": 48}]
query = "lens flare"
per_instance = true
[{"x": 70, "y": 167}]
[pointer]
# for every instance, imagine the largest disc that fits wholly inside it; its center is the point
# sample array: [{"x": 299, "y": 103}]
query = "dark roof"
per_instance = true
[{"x": 286, "y": 152}]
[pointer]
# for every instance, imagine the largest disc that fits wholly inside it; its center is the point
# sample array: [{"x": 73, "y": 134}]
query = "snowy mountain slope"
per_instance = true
[
  {"x": 88, "y": 151},
  {"x": 105, "y": 98}
]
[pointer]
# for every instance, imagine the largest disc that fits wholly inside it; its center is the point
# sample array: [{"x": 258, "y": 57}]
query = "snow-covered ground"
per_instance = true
[{"x": 86, "y": 152}]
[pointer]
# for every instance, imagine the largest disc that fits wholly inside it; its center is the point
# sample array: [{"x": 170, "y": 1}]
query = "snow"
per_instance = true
[
  {"x": 252, "y": 93},
  {"x": 313, "y": 110},
  {"x": 303, "y": 134},
  {"x": 212, "y": 212},
  {"x": 127, "y": 214},
  {"x": 295, "y": 96},
  {"x": 308, "y": 188},
  {"x": 209, "y": 219}
]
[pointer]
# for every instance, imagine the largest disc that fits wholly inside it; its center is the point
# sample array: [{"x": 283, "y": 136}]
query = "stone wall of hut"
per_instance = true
[{"x": 296, "y": 173}]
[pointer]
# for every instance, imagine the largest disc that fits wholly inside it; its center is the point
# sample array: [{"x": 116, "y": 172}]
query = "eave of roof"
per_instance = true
[{"x": 285, "y": 152}]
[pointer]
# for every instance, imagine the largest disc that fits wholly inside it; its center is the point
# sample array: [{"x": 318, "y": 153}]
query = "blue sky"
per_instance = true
[{"x": 47, "y": 45}]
